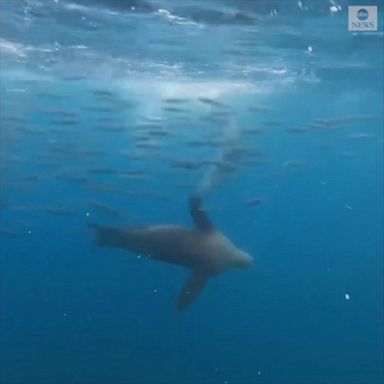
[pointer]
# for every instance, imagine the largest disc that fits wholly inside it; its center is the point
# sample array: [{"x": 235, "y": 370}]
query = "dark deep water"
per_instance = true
[{"x": 114, "y": 112}]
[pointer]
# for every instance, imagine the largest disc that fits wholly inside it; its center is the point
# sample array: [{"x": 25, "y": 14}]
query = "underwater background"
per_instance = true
[{"x": 115, "y": 112}]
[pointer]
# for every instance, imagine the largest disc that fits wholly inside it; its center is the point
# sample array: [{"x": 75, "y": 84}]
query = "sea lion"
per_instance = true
[{"x": 205, "y": 250}]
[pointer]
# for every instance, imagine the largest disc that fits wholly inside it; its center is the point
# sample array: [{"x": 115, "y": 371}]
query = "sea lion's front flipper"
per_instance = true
[
  {"x": 199, "y": 216},
  {"x": 191, "y": 290}
]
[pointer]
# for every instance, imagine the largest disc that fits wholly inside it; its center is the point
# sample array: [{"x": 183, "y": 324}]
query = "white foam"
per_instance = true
[
  {"x": 13, "y": 49},
  {"x": 172, "y": 17}
]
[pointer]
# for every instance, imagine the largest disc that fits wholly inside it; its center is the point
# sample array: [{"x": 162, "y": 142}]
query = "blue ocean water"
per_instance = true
[{"x": 115, "y": 112}]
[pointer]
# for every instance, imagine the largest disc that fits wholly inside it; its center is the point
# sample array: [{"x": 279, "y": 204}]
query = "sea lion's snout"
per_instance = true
[{"x": 244, "y": 260}]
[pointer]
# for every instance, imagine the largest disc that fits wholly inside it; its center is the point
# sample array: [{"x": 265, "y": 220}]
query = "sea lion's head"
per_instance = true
[{"x": 223, "y": 254}]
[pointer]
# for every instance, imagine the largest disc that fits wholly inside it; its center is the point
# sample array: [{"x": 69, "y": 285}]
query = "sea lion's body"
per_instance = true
[
  {"x": 204, "y": 250},
  {"x": 194, "y": 249}
]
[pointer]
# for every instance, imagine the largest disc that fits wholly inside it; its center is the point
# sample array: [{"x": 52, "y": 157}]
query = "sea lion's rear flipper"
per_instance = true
[
  {"x": 199, "y": 216},
  {"x": 106, "y": 236},
  {"x": 117, "y": 238},
  {"x": 192, "y": 289}
]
